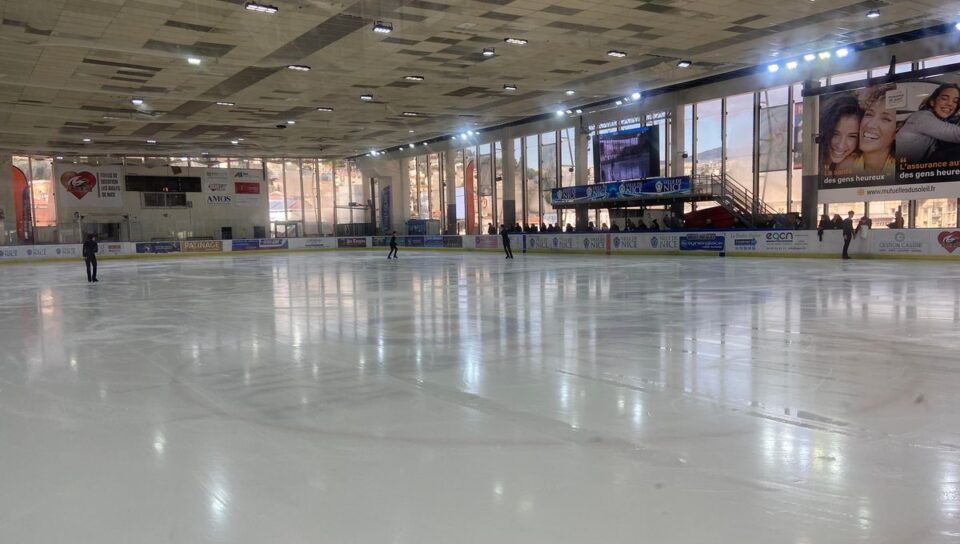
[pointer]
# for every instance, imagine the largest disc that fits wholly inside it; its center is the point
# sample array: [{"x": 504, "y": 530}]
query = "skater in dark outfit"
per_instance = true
[
  {"x": 847, "y": 234},
  {"x": 393, "y": 245},
  {"x": 90, "y": 258},
  {"x": 505, "y": 235}
]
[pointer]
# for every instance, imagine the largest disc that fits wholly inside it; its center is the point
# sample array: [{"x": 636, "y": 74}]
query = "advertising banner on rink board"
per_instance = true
[
  {"x": 85, "y": 187},
  {"x": 202, "y": 246},
  {"x": 891, "y": 141},
  {"x": 486, "y": 242},
  {"x": 353, "y": 242},
  {"x": 158, "y": 247},
  {"x": 593, "y": 243},
  {"x": 313, "y": 243}
]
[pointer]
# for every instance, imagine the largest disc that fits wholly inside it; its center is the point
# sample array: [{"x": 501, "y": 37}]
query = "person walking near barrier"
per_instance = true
[
  {"x": 393, "y": 245},
  {"x": 505, "y": 235},
  {"x": 847, "y": 234},
  {"x": 90, "y": 258}
]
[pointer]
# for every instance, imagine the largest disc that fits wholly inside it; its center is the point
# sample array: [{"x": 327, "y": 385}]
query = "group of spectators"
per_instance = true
[{"x": 836, "y": 223}]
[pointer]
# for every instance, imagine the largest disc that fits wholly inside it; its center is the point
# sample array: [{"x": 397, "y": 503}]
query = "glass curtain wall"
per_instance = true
[
  {"x": 519, "y": 185},
  {"x": 470, "y": 190},
  {"x": 325, "y": 191},
  {"x": 568, "y": 176},
  {"x": 311, "y": 198},
  {"x": 436, "y": 192},
  {"x": 485, "y": 196},
  {"x": 709, "y": 151},
  {"x": 532, "y": 181},
  {"x": 498, "y": 183},
  {"x": 774, "y": 148}
]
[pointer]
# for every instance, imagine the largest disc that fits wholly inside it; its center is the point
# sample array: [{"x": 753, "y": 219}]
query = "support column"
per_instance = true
[
  {"x": 677, "y": 129},
  {"x": 581, "y": 158},
  {"x": 811, "y": 119},
  {"x": 8, "y": 210},
  {"x": 450, "y": 188},
  {"x": 509, "y": 183}
]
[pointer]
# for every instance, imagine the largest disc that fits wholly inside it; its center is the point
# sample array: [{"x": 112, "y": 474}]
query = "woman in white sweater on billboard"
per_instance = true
[{"x": 928, "y": 127}]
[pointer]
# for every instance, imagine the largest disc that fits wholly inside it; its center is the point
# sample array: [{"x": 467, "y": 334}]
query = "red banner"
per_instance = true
[{"x": 247, "y": 188}]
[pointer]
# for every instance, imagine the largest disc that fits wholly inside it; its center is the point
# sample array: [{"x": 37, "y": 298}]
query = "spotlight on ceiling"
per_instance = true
[
  {"x": 463, "y": 136},
  {"x": 235, "y": 142},
  {"x": 261, "y": 8},
  {"x": 842, "y": 52},
  {"x": 792, "y": 65},
  {"x": 569, "y": 112},
  {"x": 410, "y": 114},
  {"x": 957, "y": 26},
  {"x": 226, "y": 104},
  {"x": 291, "y": 122},
  {"x": 873, "y": 13},
  {"x": 470, "y": 133},
  {"x": 151, "y": 141},
  {"x": 809, "y": 57},
  {"x": 570, "y": 92},
  {"x": 489, "y": 51},
  {"x": 137, "y": 101},
  {"x": 616, "y": 54},
  {"x": 636, "y": 96},
  {"x": 619, "y": 102},
  {"x": 87, "y": 140},
  {"x": 509, "y": 87},
  {"x": 413, "y": 78},
  {"x": 381, "y": 27},
  {"x": 824, "y": 55},
  {"x": 559, "y": 113},
  {"x": 579, "y": 111},
  {"x": 366, "y": 97},
  {"x": 299, "y": 67},
  {"x": 194, "y": 61},
  {"x": 684, "y": 64},
  {"x": 325, "y": 109},
  {"x": 773, "y": 68},
  {"x": 411, "y": 146},
  {"x": 410, "y": 131},
  {"x": 516, "y": 41}
]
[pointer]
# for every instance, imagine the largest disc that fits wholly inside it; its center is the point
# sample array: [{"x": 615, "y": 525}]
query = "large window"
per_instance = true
[
  {"x": 485, "y": 196},
  {"x": 311, "y": 204},
  {"x": 709, "y": 152},
  {"x": 567, "y": 172},
  {"x": 774, "y": 148},
  {"x": 294, "y": 194},
  {"x": 498, "y": 183},
  {"x": 436, "y": 194},
  {"x": 739, "y": 139},
  {"x": 341, "y": 180},
  {"x": 936, "y": 213},
  {"x": 532, "y": 175},
  {"x": 548, "y": 176},
  {"x": 277, "y": 198},
  {"x": 518, "y": 183},
  {"x": 325, "y": 195},
  {"x": 460, "y": 181},
  {"x": 470, "y": 190}
]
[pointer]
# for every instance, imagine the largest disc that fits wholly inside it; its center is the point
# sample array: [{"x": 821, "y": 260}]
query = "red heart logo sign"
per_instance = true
[
  {"x": 949, "y": 240},
  {"x": 78, "y": 184}
]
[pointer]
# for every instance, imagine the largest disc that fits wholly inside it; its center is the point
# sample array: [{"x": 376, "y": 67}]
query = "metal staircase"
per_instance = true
[{"x": 735, "y": 198}]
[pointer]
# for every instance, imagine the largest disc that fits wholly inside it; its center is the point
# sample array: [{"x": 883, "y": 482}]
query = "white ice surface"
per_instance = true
[{"x": 461, "y": 398}]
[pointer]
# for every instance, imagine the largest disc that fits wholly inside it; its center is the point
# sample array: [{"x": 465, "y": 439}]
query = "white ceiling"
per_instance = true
[{"x": 69, "y": 68}]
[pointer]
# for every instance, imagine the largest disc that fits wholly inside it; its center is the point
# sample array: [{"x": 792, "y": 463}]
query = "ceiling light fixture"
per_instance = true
[
  {"x": 684, "y": 64},
  {"x": 569, "y": 112},
  {"x": 873, "y": 13},
  {"x": 470, "y": 133},
  {"x": 410, "y": 131},
  {"x": 619, "y": 102},
  {"x": 957, "y": 26},
  {"x": 509, "y": 87},
  {"x": 366, "y": 97},
  {"x": 824, "y": 55},
  {"x": 773, "y": 68},
  {"x": 463, "y": 136},
  {"x": 570, "y": 92},
  {"x": 792, "y": 65},
  {"x": 87, "y": 140},
  {"x": 299, "y": 67},
  {"x": 516, "y": 41},
  {"x": 151, "y": 141},
  {"x": 226, "y": 104},
  {"x": 411, "y": 146},
  {"x": 137, "y": 101},
  {"x": 489, "y": 51},
  {"x": 410, "y": 114},
  {"x": 559, "y": 113},
  {"x": 194, "y": 61},
  {"x": 617, "y": 54},
  {"x": 291, "y": 122},
  {"x": 235, "y": 142},
  {"x": 325, "y": 109},
  {"x": 381, "y": 27},
  {"x": 261, "y": 8},
  {"x": 636, "y": 95},
  {"x": 842, "y": 52},
  {"x": 809, "y": 57},
  {"x": 413, "y": 78},
  {"x": 579, "y": 111}
]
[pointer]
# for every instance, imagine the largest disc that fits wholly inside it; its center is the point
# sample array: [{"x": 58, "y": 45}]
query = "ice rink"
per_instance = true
[{"x": 461, "y": 398}]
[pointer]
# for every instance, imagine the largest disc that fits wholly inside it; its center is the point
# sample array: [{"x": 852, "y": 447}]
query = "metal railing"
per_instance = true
[{"x": 733, "y": 196}]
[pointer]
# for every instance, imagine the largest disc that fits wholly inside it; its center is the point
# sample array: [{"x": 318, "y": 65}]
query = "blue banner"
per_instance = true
[
  {"x": 245, "y": 245},
  {"x": 702, "y": 242},
  {"x": 619, "y": 190},
  {"x": 433, "y": 241}
]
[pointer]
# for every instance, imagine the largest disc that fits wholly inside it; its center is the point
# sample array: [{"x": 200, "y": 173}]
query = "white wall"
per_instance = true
[{"x": 139, "y": 223}]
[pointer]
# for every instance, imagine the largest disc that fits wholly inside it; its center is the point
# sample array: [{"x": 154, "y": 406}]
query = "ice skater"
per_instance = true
[
  {"x": 90, "y": 258},
  {"x": 847, "y": 234},
  {"x": 393, "y": 245},
  {"x": 505, "y": 235}
]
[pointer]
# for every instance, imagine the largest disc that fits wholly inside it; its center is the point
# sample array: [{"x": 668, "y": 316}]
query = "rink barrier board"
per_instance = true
[{"x": 927, "y": 244}]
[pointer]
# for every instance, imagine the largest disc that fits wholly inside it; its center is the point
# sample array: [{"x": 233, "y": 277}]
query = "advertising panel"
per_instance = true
[
  {"x": 900, "y": 242},
  {"x": 381, "y": 241},
  {"x": 110, "y": 248},
  {"x": 247, "y": 193},
  {"x": 158, "y": 247},
  {"x": 202, "y": 246},
  {"x": 619, "y": 190},
  {"x": 626, "y": 243},
  {"x": 410, "y": 241},
  {"x": 946, "y": 243},
  {"x": 786, "y": 241},
  {"x": 9, "y": 253},
  {"x": 452, "y": 241},
  {"x": 89, "y": 187},
  {"x": 314, "y": 243},
  {"x": 892, "y": 141},
  {"x": 702, "y": 242},
  {"x": 664, "y": 242},
  {"x": 487, "y": 242},
  {"x": 353, "y": 242},
  {"x": 433, "y": 241},
  {"x": 245, "y": 245}
]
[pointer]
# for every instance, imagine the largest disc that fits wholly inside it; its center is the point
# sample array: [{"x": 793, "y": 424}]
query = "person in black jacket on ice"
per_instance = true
[
  {"x": 393, "y": 245},
  {"x": 505, "y": 235},
  {"x": 90, "y": 258},
  {"x": 847, "y": 234}
]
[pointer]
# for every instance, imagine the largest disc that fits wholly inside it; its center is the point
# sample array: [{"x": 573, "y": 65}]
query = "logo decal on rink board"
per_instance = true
[{"x": 949, "y": 240}]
